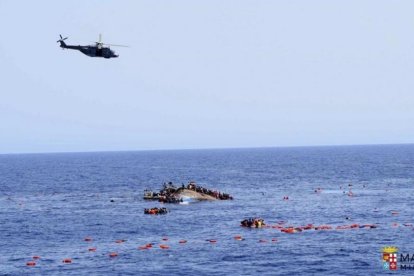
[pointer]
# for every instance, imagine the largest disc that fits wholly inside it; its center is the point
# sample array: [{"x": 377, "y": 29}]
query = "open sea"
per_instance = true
[{"x": 49, "y": 204}]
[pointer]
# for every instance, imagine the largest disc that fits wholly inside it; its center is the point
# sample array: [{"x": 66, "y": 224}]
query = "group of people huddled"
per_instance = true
[
  {"x": 167, "y": 193},
  {"x": 222, "y": 196},
  {"x": 253, "y": 222},
  {"x": 169, "y": 199},
  {"x": 156, "y": 211}
]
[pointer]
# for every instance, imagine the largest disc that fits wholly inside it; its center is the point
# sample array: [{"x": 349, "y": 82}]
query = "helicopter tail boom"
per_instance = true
[{"x": 62, "y": 44}]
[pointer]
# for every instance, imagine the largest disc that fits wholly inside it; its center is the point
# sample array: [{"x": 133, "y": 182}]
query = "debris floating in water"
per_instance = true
[{"x": 67, "y": 261}]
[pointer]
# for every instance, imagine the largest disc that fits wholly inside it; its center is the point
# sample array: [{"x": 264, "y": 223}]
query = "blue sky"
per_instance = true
[{"x": 206, "y": 74}]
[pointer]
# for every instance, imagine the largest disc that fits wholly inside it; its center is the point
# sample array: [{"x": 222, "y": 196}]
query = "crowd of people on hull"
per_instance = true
[
  {"x": 156, "y": 211},
  {"x": 168, "y": 192},
  {"x": 199, "y": 189},
  {"x": 253, "y": 222}
]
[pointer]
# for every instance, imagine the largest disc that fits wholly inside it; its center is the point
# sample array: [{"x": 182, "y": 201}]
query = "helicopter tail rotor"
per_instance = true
[{"x": 61, "y": 40}]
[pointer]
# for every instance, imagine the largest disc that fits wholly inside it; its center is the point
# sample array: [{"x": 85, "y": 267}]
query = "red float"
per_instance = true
[{"x": 113, "y": 254}]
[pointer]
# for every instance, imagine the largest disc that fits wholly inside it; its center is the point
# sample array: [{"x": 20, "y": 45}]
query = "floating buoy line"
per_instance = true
[{"x": 279, "y": 227}]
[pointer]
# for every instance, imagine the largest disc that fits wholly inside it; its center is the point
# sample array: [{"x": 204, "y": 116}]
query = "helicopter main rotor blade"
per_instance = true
[{"x": 116, "y": 45}]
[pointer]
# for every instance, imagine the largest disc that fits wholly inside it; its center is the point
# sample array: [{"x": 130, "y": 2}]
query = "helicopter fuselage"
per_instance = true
[{"x": 92, "y": 51}]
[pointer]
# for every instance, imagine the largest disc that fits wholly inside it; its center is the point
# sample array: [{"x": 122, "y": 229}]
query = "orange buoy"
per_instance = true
[
  {"x": 394, "y": 213},
  {"x": 120, "y": 241},
  {"x": 92, "y": 249},
  {"x": 323, "y": 227},
  {"x": 182, "y": 241},
  {"x": 87, "y": 239},
  {"x": 308, "y": 226},
  {"x": 36, "y": 257},
  {"x": 164, "y": 246},
  {"x": 113, "y": 254},
  {"x": 31, "y": 263},
  {"x": 368, "y": 226},
  {"x": 289, "y": 230},
  {"x": 238, "y": 238},
  {"x": 342, "y": 227},
  {"x": 67, "y": 261},
  {"x": 213, "y": 241}
]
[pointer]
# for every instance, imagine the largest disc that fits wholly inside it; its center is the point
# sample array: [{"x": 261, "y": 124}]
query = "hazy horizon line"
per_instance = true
[{"x": 206, "y": 148}]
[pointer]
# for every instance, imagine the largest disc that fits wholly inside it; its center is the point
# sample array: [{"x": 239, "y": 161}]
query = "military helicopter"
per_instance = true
[{"x": 97, "y": 50}]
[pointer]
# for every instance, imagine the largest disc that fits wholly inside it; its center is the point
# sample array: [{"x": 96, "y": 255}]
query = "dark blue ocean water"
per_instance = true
[{"x": 50, "y": 202}]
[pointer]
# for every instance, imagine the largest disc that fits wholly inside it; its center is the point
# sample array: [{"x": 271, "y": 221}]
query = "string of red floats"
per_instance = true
[
  {"x": 278, "y": 226},
  {"x": 144, "y": 247}
]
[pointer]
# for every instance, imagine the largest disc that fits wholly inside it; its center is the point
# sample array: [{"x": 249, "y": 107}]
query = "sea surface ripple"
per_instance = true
[{"x": 50, "y": 202}]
